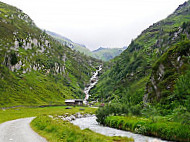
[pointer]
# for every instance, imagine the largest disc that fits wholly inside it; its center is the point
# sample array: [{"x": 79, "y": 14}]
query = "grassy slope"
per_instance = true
[
  {"x": 22, "y": 112},
  {"x": 174, "y": 67},
  {"x": 131, "y": 70},
  {"x": 48, "y": 73},
  {"x": 54, "y": 130},
  {"x": 107, "y": 54},
  {"x": 150, "y": 79}
]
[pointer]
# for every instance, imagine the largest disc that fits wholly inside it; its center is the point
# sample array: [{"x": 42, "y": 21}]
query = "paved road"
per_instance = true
[{"x": 19, "y": 131}]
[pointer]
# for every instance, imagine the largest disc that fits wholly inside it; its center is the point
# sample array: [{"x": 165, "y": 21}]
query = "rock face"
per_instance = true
[{"x": 165, "y": 71}]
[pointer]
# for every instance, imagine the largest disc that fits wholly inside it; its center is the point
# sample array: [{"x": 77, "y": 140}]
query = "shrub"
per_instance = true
[{"x": 163, "y": 129}]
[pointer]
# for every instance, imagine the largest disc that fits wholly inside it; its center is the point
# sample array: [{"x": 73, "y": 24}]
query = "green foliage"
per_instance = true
[
  {"x": 181, "y": 114},
  {"x": 21, "y": 112},
  {"x": 107, "y": 54},
  {"x": 163, "y": 129},
  {"x": 13, "y": 59},
  {"x": 132, "y": 69},
  {"x": 35, "y": 69},
  {"x": 63, "y": 131},
  {"x": 166, "y": 71},
  {"x": 153, "y": 71},
  {"x": 182, "y": 90},
  {"x": 116, "y": 109}
]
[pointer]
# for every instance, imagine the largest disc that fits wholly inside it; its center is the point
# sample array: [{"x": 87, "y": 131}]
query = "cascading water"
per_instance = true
[
  {"x": 91, "y": 123},
  {"x": 93, "y": 82}
]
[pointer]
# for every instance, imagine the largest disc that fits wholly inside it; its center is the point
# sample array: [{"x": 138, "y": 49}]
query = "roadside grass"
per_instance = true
[
  {"x": 160, "y": 128},
  {"x": 57, "y": 130},
  {"x": 22, "y": 112}
]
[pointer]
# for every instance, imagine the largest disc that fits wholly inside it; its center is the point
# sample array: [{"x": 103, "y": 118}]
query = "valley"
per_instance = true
[
  {"x": 138, "y": 93},
  {"x": 101, "y": 53}
]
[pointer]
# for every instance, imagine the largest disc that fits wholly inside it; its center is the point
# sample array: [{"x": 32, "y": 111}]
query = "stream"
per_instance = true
[
  {"x": 92, "y": 124},
  {"x": 93, "y": 82}
]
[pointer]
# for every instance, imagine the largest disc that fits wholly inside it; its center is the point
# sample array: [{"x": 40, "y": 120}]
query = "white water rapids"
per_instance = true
[
  {"x": 91, "y": 123},
  {"x": 93, "y": 82}
]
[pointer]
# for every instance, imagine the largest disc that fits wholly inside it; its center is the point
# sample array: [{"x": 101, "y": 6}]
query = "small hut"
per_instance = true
[
  {"x": 74, "y": 102},
  {"x": 79, "y": 102}
]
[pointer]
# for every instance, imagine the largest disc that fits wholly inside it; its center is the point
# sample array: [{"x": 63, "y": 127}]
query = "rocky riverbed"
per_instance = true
[{"x": 68, "y": 117}]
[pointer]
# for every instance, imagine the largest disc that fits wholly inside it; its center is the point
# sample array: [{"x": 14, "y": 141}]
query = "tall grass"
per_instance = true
[
  {"x": 63, "y": 131},
  {"x": 162, "y": 129}
]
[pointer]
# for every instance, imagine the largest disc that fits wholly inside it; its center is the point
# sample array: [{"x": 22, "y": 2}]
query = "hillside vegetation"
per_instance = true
[
  {"x": 130, "y": 73},
  {"x": 59, "y": 130},
  {"x": 150, "y": 79},
  {"x": 107, "y": 54},
  {"x": 35, "y": 68}
]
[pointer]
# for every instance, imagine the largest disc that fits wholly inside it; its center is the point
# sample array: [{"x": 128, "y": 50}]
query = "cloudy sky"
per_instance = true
[{"x": 95, "y": 23}]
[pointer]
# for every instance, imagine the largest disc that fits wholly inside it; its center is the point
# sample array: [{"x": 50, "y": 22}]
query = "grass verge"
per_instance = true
[
  {"x": 22, "y": 112},
  {"x": 162, "y": 129},
  {"x": 63, "y": 131}
]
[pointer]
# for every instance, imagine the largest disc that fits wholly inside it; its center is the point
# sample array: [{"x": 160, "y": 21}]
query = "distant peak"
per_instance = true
[
  {"x": 100, "y": 48},
  {"x": 182, "y": 6}
]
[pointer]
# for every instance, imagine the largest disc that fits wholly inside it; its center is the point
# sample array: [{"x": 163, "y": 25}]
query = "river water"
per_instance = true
[
  {"x": 91, "y": 123},
  {"x": 93, "y": 82}
]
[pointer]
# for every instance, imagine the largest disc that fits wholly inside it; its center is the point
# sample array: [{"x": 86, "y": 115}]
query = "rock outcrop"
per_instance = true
[{"x": 165, "y": 71}]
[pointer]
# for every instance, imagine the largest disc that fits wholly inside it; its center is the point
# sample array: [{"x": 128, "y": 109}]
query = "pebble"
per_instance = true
[{"x": 66, "y": 116}]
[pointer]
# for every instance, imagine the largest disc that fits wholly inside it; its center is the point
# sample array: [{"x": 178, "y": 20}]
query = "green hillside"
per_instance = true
[
  {"x": 107, "y": 54},
  {"x": 36, "y": 69},
  {"x": 146, "y": 89},
  {"x": 129, "y": 78}
]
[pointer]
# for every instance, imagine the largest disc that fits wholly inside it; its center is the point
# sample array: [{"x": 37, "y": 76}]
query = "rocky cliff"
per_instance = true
[{"x": 166, "y": 71}]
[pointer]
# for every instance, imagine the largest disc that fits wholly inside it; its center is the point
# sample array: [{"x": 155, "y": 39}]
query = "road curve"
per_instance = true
[{"x": 19, "y": 130}]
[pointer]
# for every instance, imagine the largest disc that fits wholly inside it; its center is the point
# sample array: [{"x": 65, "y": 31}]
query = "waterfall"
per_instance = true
[{"x": 93, "y": 82}]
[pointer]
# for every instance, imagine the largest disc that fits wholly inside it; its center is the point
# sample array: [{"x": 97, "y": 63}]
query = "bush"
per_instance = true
[
  {"x": 116, "y": 109},
  {"x": 163, "y": 129}
]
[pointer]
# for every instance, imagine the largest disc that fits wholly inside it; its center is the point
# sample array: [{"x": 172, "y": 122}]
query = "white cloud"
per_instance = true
[{"x": 110, "y": 23}]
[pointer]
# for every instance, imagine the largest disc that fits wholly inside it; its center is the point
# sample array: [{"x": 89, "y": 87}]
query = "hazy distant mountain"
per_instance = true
[
  {"x": 104, "y": 54},
  {"x": 78, "y": 47}
]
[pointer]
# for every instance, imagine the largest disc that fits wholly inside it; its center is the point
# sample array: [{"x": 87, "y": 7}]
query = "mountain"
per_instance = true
[
  {"x": 107, "y": 54},
  {"x": 154, "y": 66},
  {"x": 35, "y": 68},
  {"x": 67, "y": 42},
  {"x": 104, "y": 54},
  {"x": 59, "y": 37}
]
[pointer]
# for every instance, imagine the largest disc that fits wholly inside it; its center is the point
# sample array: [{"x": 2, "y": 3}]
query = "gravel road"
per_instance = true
[{"x": 19, "y": 131}]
